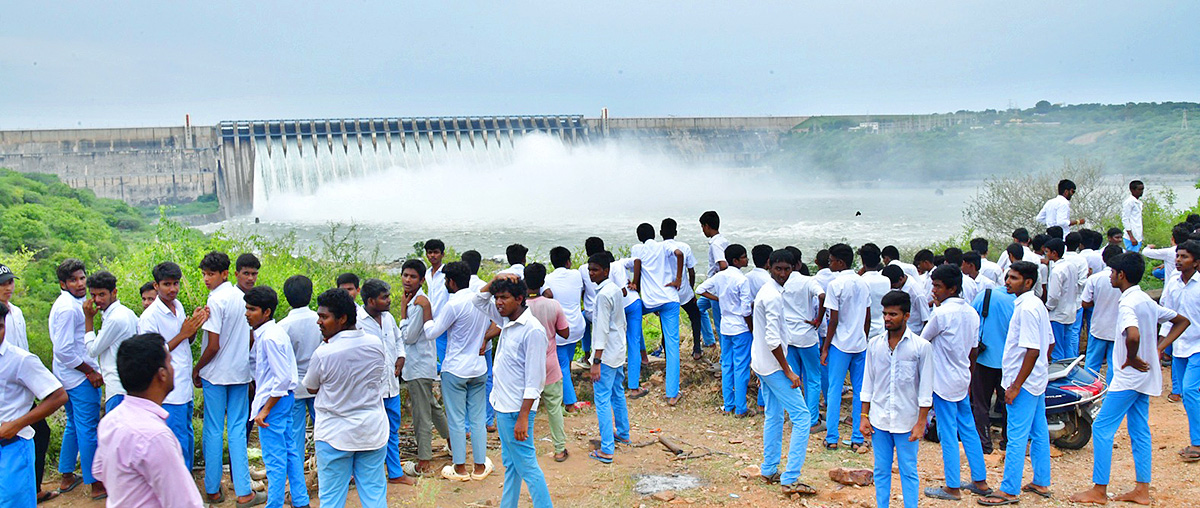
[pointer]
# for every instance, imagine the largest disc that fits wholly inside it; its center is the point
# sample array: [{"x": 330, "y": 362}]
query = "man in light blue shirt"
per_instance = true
[{"x": 995, "y": 308}]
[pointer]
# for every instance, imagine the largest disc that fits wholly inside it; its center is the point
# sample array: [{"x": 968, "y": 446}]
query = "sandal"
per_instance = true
[
  {"x": 997, "y": 501},
  {"x": 487, "y": 470},
  {"x": 1030, "y": 489},
  {"x": 561, "y": 457},
  {"x": 220, "y": 499},
  {"x": 978, "y": 491},
  {"x": 1189, "y": 455},
  {"x": 449, "y": 473},
  {"x": 831, "y": 446},
  {"x": 1174, "y": 397},
  {"x": 859, "y": 448},
  {"x": 799, "y": 488},
  {"x": 595, "y": 454},
  {"x": 410, "y": 469},
  {"x": 940, "y": 493},
  {"x": 638, "y": 393},
  {"x": 772, "y": 478},
  {"x": 47, "y": 495},
  {"x": 78, "y": 481}
]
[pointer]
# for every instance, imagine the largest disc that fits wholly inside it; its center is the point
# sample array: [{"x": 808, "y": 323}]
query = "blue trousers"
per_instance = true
[
  {"x": 225, "y": 405},
  {"x": 336, "y": 467},
  {"x": 1178, "y": 371},
  {"x": 782, "y": 398},
  {"x": 491, "y": 411},
  {"x": 441, "y": 349},
  {"x": 609, "y": 397},
  {"x": 1064, "y": 345},
  {"x": 179, "y": 420},
  {"x": 79, "y": 434},
  {"x": 284, "y": 462},
  {"x": 463, "y": 399},
  {"x": 1027, "y": 426},
  {"x": 1074, "y": 331},
  {"x": 392, "y": 406},
  {"x": 1191, "y": 395},
  {"x": 634, "y": 344},
  {"x": 587, "y": 336},
  {"x": 840, "y": 364},
  {"x": 1099, "y": 352},
  {"x": 668, "y": 318},
  {"x": 1130, "y": 247},
  {"x": 520, "y": 464},
  {"x": 16, "y": 467},
  {"x": 113, "y": 402},
  {"x": 302, "y": 414},
  {"x": 954, "y": 422},
  {"x": 885, "y": 444},
  {"x": 806, "y": 363},
  {"x": 710, "y": 320},
  {"x": 566, "y": 354},
  {"x": 735, "y": 371},
  {"x": 1134, "y": 408}
]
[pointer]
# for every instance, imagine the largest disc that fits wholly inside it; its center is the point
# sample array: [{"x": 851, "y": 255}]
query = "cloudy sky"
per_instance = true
[{"x": 83, "y": 64}]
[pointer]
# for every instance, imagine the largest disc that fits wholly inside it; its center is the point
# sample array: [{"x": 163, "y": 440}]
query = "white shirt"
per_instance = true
[
  {"x": 567, "y": 287},
  {"x": 716, "y": 253},
  {"x": 393, "y": 348},
  {"x": 757, "y": 277},
  {"x": 118, "y": 324},
  {"x": 1136, "y": 309},
  {"x": 969, "y": 288},
  {"x": 909, "y": 269},
  {"x": 659, "y": 268},
  {"x": 465, "y": 327},
  {"x": 66, "y": 334},
  {"x": 517, "y": 269},
  {"x": 305, "y": 335},
  {"x": 801, "y": 303},
  {"x": 274, "y": 365},
  {"x": 1005, "y": 262},
  {"x": 608, "y": 325},
  {"x": 689, "y": 263},
  {"x": 769, "y": 330},
  {"x": 475, "y": 285},
  {"x": 421, "y": 351},
  {"x": 851, "y": 297},
  {"x": 953, "y": 330},
  {"x": 14, "y": 326},
  {"x": 823, "y": 277},
  {"x": 438, "y": 294},
  {"x": 1081, "y": 262},
  {"x": 1095, "y": 260},
  {"x": 1184, "y": 298},
  {"x": 157, "y": 318},
  {"x": 1029, "y": 329},
  {"x": 23, "y": 379},
  {"x": 1167, "y": 256},
  {"x": 1104, "y": 297},
  {"x": 878, "y": 286},
  {"x": 897, "y": 383},
  {"x": 990, "y": 270},
  {"x": 519, "y": 369},
  {"x": 732, "y": 290},
  {"x": 589, "y": 291},
  {"x": 1131, "y": 217},
  {"x": 227, "y": 318},
  {"x": 619, "y": 273},
  {"x": 919, "y": 299},
  {"x": 1062, "y": 292},
  {"x": 348, "y": 372},
  {"x": 1056, "y": 212}
]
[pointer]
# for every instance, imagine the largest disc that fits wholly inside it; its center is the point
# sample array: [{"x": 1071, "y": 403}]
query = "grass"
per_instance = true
[{"x": 202, "y": 205}]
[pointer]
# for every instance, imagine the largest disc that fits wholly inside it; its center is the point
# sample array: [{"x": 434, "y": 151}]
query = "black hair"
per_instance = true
[
  {"x": 602, "y": 258},
  {"x": 147, "y": 286},
  {"x": 458, "y": 272},
  {"x": 897, "y": 298},
  {"x": 560, "y": 257},
  {"x": 472, "y": 258},
  {"x": 593, "y": 245},
  {"x": 1015, "y": 252},
  {"x": 1054, "y": 231},
  {"x": 1109, "y": 252},
  {"x": 68, "y": 267},
  {"x": 1131, "y": 264},
  {"x": 710, "y": 219},
  {"x": 950, "y": 276},
  {"x": 953, "y": 256},
  {"x": 668, "y": 229},
  {"x": 102, "y": 280},
  {"x": 979, "y": 245},
  {"x": 972, "y": 258},
  {"x": 1039, "y": 241},
  {"x": 516, "y": 254},
  {"x": 1026, "y": 269},
  {"x": 869, "y": 254},
  {"x": 734, "y": 251},
  {"x": 247, "y": 260},
  {"x": 1193, "y": 218},
  {"x": 781, "y": 255},
  {"x": 1113, "y": 232},
  {"x": 1135, "y": 184},
  {"x": 761, "y": 254},
  {"x": 3, "y": 312},
  {"x": 166, "y": 271},
  {"x": 374, "y": 288},
  {"x": 1091, "y": 239},
  {"x": 923, "y": 255},
  {"x": 893, "y": 273},
  {"x": 262, "y": 297},
  {"x": 435, "y": 244},
  {"x": 1065, "y": 185},
  {"x": 1073, "y": 241},
  {"x": 795, "y": 253},
  {"x": 939, "y": 260},
  {"x": 297, "y": 290},
  {"x": 1192, "y": 247},
  {"x": 1181, "y": 232},
  {"x": 339, "y": 303},
  {"x": 515, "y": 288},
  {"x": 890, "y": 252},
  {"x": 1021, "y": 235},
  {"x": 645, "y": 231},
  {"x": 418, "y": 266},
  {"x": 215, "y": 261},
  {"x": 842, "y": 252},
  {"x": 535, "y": 275},
  {"x": 347, "y": 278},
  {"x": 138, "y": 360},
  {"x": 1057, "y": 245},
  {"x": 822, "y": 258}
]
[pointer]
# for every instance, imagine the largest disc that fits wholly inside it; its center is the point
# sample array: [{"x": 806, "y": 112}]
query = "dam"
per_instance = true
[{"x": 242, "y": 162}]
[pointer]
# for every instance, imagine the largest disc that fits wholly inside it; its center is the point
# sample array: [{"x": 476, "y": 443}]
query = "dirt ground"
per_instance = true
[{"x": 733, "y": 445}]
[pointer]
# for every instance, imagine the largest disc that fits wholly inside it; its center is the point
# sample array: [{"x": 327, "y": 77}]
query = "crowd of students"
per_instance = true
[{"x": 502, "y": 350}]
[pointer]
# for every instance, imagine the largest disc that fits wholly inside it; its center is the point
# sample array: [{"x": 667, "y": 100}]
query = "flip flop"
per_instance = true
[
  {"x": 940, "y": 493},
  {"x": 639, "y": 393},
  {"x": 998, "y": 501},
  {"x": 831, "y": 446},
  {"x": 220, "y": 498},
  {"x": 1189, "y": 455},
  {"x": 978, "y": 491},
  {"x": 1031, "y": 490},
  {"x": 48, "y": 495},
  {"x": 624, "y": 442},
  {"x": 799, "y": 488},
  {"x": 100, "y": 497},
  {"x": 563, "y": 458},
  {"x": 78, "y": 481},
  {"x": 773, "y": 478},
  {"x": 596, "y": 455}
]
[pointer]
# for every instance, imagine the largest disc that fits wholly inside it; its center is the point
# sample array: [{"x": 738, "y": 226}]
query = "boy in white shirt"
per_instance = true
[
  {"x": 301, "y": 326},
  {"x": 730, "y": 289},
  {"x": 420, "y": 366},
  {"x": 953, "y": 331},
  {"x": 1184, "y": 298},
  {"x": 877, "y": 284},
  {"x": 710, "y": 225},
  {"x": 473, "y": 260},
  {"x": 897, "y": 392},
  {"x": 780, "y": 385},
  {"x": 435, "y": 250},
  {"x": 758, "y": 276},
  {"x": 565, "y": 286},
  {"x": 1057, "y": 211},
  {"x": 608, "y": 359},
  {"x": 1062, "y": 299},
  {"x": 848, "y": 301},
  {"x": 657, "y": 276},
  {"x": 987, "y": 268},
  {"x": 377, "y": 302},
  {"x": 275, "y": 382},
  {"x": 1138, "y": 379},
  {"x": 120, "y": 323},
  {"x": 916, "y": 295},
  {"x": 591, "y": 246},
  {"x": 515, "y": 254},
  {"x": 687, "y": 295},
  {"x": 1131, "y": 216},
  {"x": 1179, "y": 234},
  {"x": 803, "y": 301},
  {"x": 1101, "y": 297}
]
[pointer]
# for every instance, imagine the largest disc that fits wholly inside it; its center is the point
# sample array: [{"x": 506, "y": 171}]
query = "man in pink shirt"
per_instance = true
[
  {"x": 549, "y": 313},
  {"x": 138, "y": 457}
]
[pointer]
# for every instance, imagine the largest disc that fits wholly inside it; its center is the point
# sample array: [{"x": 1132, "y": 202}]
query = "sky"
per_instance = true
[{"x": 121, "y": 64}]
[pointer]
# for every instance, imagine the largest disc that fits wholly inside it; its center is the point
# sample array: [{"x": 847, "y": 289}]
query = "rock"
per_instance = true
[
  {"x": 844, "y": 476},
  {"x": 749, "y": 472},
  {"x": 735, "y": 440},
  {"x": 678, "y": 500},
  {"x": 1055, "y": 452},
  {"x": 745, "y": 488},
  {"x": 664, "y": 496}
]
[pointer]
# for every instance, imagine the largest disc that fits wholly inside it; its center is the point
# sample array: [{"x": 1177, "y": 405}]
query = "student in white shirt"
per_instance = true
[
  {"x": 1057, "y": 211},
  {"x": 1179, "y": 234},
  {"x": 1062, "y": 297},
  {"x": 223, "y": 373},
  {"x": 758, "y": 277},
  {"x": 435, "y": 250},
  {"x": 275, "y": 382},
  {"x": 877, "y": 284},
  {"x": 953, "y": 331},
  {"x": 1020, "y": 236},
  {"x": 1093, "y": 243},
  {"x": 780, "y": 385},
  {"x": 300, "y": 324},
  {"x": 1024, "y": 377},
  {"x": 730, "y": 289},
  {"x": 377, "y": 301},
  {"x": 917, "y": 297},
  {"x": 346, "y": 374},
  {"x": 420, "y": 367},
  {"x": 1131, "y": 216},
  {"x": 710, "y": 225},
  {"x": 591, "y": 246},
  {"x": 1074, "y": 242},
  {"x": 897, "y": 394},
  {"x": 823, "y": 277},
  {"x": 890, "y": 256},
  {"x": 1138, "y": 379},
  {"x": 120, "y": 323},
  {"x": 515, "y": 254},
  {"x": 473, "y": 260},
  {"x": 803, "y": 303},
  {"x": 687, "y": 295},
  {"x": 1039, "y": 243},
  {"x": 79, "y": 375},
  {"x": 149, "y": 294},
  {"x": 987, "y": 268},
  {"x": 565, "y": 286},
  {"x": 1184, "y": 298},
  {"x": 657, "y": 276},
  {"x": 1101, "y": 297},
  {"x": 848, "y": 302},
  {"x": 608, "y": 359},
  {"x": 971, "y": 262}
]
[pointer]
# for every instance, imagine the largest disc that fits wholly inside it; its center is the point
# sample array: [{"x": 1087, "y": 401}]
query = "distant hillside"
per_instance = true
[{"x": 1134, "y": 138}]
